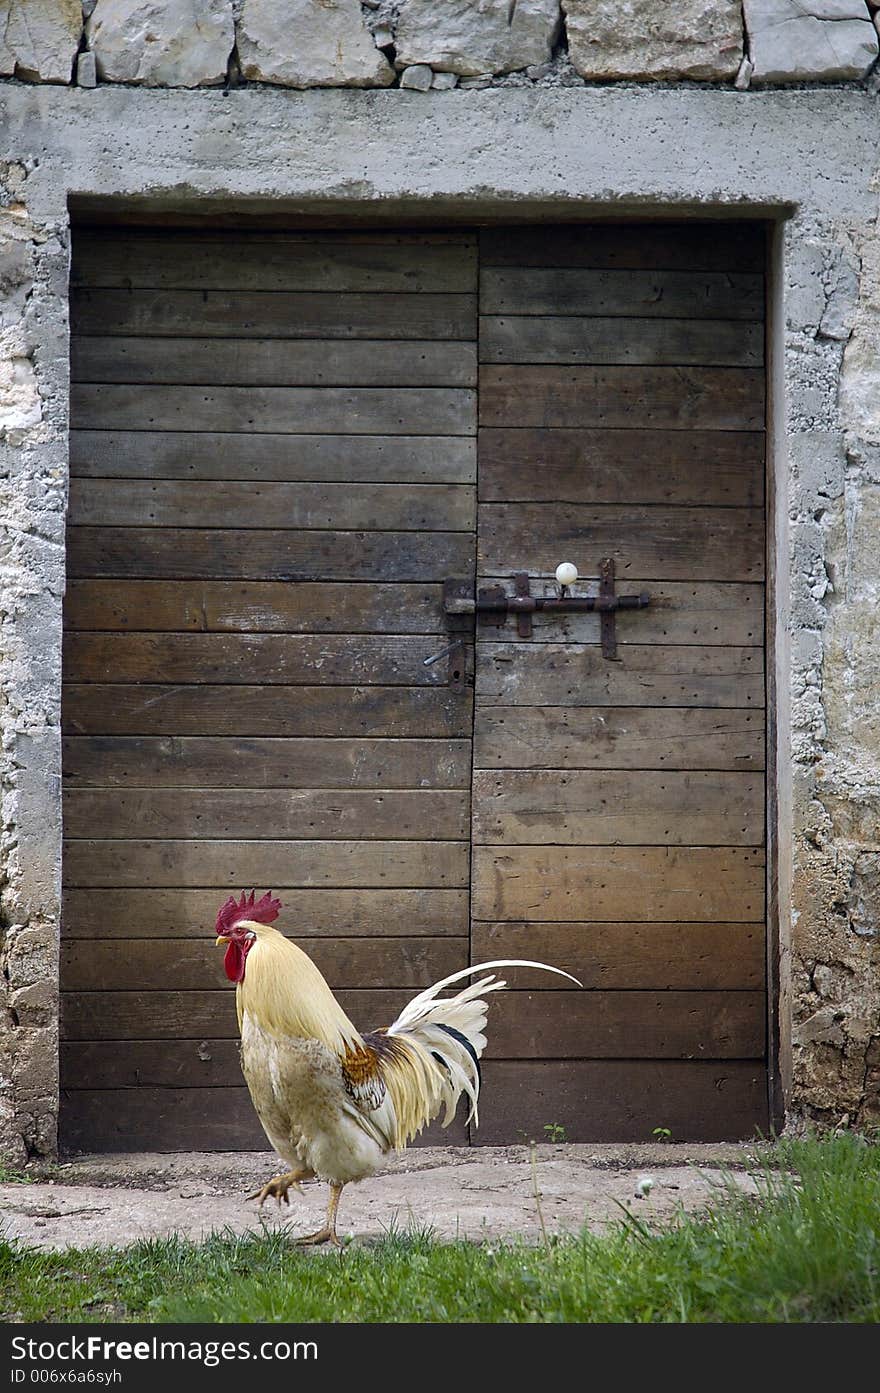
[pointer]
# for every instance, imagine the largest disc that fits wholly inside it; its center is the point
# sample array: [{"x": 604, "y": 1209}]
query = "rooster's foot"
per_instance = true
[
  {"x": 279, "y": 1185},
  {"x": 324, "y": 1235},
  {"x": 328, "y": 1233}
]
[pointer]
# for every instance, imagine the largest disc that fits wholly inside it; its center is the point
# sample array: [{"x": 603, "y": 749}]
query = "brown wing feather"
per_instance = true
[{"x": 362, "y": 1073}]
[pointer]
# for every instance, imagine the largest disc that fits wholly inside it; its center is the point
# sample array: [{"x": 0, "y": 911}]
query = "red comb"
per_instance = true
[{"x": 233, "y": 911}]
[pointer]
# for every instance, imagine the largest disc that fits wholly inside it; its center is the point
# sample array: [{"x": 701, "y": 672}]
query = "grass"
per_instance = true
[
  {"x": 806, "y": 1250},
  {"x": 10, "y": 1176}
]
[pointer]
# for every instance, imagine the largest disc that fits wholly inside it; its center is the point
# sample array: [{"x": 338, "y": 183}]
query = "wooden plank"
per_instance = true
[
  {"x": 238, "y": 263},
  {"x": 154, "y": 709},
  {"x": 653, "y": 957},
  {"x": 619, "y": 807},
  {"x": 623, "y": 737},
  {"x": 628, "y": 1024},
  {"x": 695, "y": 613},
  {"x": 629, "y": 293},
  {"x": 192, "y": 762},
  {"x": 185, "y": 553},
  {"x": 636, "y": 1025},
  {"x": 686, "y": 544},
  {"x": 264, "y": 607},
  {"x": 443, "y": 459},
  {"x": 332, "y": 659},
  {"x": 340, "y": 863},
  {"x": 694, "y": 468},
  {"x": 679, "y": 613},
  {"x": 621, "y": 884},
  {"x": 97, "y": 218},
  {"x": 274, "y": 362},
  {"x": 597, "y": 1030},
  {"x": 558, "y": 674},
  {"x": 277, "y": 314},
  {"x": 130, "y": 964},
  {"x": 685, "y": 246},
  {"x": 623, "y": 1101},
  {"x": 160, "y": 1119},
  {"x": 244, "y": 813},
  {"x": 139, "y": 1064},
  {"x": 203, "y": 503},
  {"x": 307, "y": 913},
  {"x": 189, "y": 1119},
  {"x": 574, "y": 339},
  {"x": 196, "y": 1015},
  {"x": 668, "y": 398},
  {"x": 309, "y": 410}
]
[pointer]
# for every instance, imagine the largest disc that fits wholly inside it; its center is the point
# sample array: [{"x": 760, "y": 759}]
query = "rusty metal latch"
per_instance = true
[{"x": 493, "y": 605}]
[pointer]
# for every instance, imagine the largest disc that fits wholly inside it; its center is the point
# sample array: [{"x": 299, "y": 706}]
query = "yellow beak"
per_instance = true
[{"x": 220, "y": 939}]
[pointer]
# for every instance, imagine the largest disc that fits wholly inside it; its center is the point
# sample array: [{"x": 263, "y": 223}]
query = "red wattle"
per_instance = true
[{"x": 234, "y": 960}]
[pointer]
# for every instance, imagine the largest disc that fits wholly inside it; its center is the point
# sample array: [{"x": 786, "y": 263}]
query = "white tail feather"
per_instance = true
[
  {"x": 410, "y": 1012},
  {"x": 428, "y": 1023}
]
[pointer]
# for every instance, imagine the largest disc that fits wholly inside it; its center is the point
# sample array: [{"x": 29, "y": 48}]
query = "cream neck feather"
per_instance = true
[{"x": 285, "y": 994}]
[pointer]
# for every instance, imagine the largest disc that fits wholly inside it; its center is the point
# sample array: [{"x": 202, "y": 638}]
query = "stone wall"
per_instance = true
[
  {"x": 659, "y": 123},
  {"x": 436, "y": 44},
  {"x": 835, "y": 509},
  {"x": 33, "y": 472}
]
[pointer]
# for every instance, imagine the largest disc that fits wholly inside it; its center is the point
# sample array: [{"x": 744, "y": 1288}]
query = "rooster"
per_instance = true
[{"x": 333, "y": 1101}]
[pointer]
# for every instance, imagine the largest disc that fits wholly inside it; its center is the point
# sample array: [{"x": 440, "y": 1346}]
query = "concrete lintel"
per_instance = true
[{"x": 471, "y": 153}]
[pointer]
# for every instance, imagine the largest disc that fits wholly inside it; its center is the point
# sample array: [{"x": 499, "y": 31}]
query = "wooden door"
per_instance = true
[
  {"x": 273, "y": 460},
  {"x": 618, "y": 806},
  {"x": 273, "y": 464}
]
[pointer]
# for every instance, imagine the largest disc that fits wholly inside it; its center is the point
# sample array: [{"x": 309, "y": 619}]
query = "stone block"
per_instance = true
[
  {"x": 842, "y": 290},
  {"x": 638, "y": 39},
  {"x": 418, "y": 78},
  {"x": 744, "y": 76},
  {"x": 809, "y": 40},
  {"x": 36, "y": 1005},
  {"x": 475, "y": 37},
  {"x": 309, "y": 43},
  {"x": 16, "y": 271},
  {"x": 86, "y": 70},
  {"x": 860, "y": 376},
  {"x": 39, "y": 39},
  {"x": 818, "y": 463},
  {"x": 37, "y": 868},
  {"x": 162, "y": 43},
  {"x": 864, "y": 906},
  {"x": 20, "y": 405},
  {"x": 822, "y": 1027}
]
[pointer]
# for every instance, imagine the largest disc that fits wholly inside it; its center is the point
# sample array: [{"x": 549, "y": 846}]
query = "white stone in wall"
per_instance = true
[
  {"x": 637, "y": 39},
  {"x": 418, "y": 78},
  {"x": 473, "y": 37},
  {"x": 860, "y": 377},
  {"x": 810, "y": 40},
  {"x": 162, "y": 43},
  {"x": 309, "y": 43},
  {"x": 86, "y": 71},
  {"x": 39, "y": 38}
]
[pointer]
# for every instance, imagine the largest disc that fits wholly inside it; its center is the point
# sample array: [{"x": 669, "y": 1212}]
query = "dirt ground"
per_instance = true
[{"x": 480, "y": 1193}]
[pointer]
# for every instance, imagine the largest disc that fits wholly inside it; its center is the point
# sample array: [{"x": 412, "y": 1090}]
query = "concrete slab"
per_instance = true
[{"x": 480, "y": 1194}]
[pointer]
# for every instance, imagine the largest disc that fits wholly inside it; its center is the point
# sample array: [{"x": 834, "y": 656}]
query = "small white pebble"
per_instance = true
[{"x": 644, "y": 1186}]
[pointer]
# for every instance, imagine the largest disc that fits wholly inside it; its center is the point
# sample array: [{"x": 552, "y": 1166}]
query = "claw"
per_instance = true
[
  {"x": 279, "y": 1186},
  {"x": 324, "y": 1235}
]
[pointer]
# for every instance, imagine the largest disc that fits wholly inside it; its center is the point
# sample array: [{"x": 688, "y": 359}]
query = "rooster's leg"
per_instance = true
[
  {"x": 328, "y": 1233},
  {"x": 280, "y": 1184}
]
